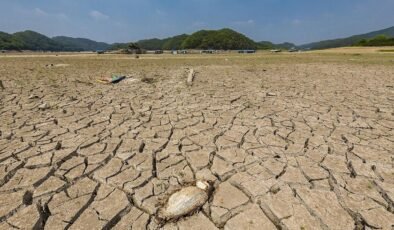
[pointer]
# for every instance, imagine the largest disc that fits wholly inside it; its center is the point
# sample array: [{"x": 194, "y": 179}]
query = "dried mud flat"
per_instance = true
[{"x": 288, "y": 141}]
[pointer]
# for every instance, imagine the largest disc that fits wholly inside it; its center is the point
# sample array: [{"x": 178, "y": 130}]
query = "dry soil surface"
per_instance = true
[{"x": 289, "y": 141}]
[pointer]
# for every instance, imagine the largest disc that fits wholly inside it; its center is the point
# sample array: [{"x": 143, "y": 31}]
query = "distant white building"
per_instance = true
[{"x": 180, "y": 52}]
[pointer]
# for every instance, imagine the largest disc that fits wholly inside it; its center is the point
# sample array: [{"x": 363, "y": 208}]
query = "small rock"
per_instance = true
[
  {"x": 274, "y": 189},
  {"x": 205, "y": 175},
  {"x": 27, "y": 198},
  {"x": 58, "y": 145},
  {"x": 43, "y": 106},
  {"x": 33, "y": 96},
  {"x": 7, "y": 136},
  {"x": 202, "y": 185},
  {"x": 185, "y": 201},
  {"x": 271, "y": 94}
]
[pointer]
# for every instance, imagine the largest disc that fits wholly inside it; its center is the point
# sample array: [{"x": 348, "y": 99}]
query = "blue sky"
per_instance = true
[{"x": 298, "y": 21}]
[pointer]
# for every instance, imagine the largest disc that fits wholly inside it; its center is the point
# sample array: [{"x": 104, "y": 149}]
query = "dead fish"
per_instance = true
[{"x": 185, "y": 201}]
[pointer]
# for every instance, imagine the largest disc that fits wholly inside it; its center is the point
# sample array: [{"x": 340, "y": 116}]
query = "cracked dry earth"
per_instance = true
[{"x": 289, "y": 142}]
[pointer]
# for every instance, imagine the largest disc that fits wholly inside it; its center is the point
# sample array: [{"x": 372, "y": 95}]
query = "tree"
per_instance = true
[{"x": 380, "y": 40}]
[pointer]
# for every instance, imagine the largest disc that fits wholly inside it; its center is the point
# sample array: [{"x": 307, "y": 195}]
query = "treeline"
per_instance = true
[
  {"x": 224, "y": 39},
  {"x": 27, "y": 40},
  {"x": 170, "y": 43},
  {"x": 30, "y": 40},
  {"x": 350, "y": 41},
  {"x": 380, "y": 40}
]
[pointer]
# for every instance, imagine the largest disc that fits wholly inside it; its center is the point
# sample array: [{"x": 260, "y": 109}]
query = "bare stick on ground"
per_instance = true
[{"x": 190, "y": 77}]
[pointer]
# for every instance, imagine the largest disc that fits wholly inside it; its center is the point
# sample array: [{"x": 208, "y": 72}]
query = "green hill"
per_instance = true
[
  {"x": 151, "y": 44},
  {"x": 79, "y": 44},
  {"x": 8, "y": 42},
  {"x": 171, "y": 43},
  {"x": 380, "y": 40},
  {"x": 349, "y": 41},
  {"x": 225, "y": 39},
  {"x": 174, "y": 43},
  {"x": 266, "y": 45},
  {"x": 162, "y": 44},
  {"x": 30, "y": 40},
  {"x": 285, "y": 45},
  {"x": 118, "y": 46}
]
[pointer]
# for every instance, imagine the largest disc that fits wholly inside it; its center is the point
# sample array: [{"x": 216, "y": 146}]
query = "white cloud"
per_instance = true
[
  {"x": 244, "y": 23},
  {"x": 39, "y": 12},
  {"x": 160, "y": 12},
  {"x": 62, "y": 16},
  {"x": 296, "y": 22},
  {"x": 98, "y": 16}
]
